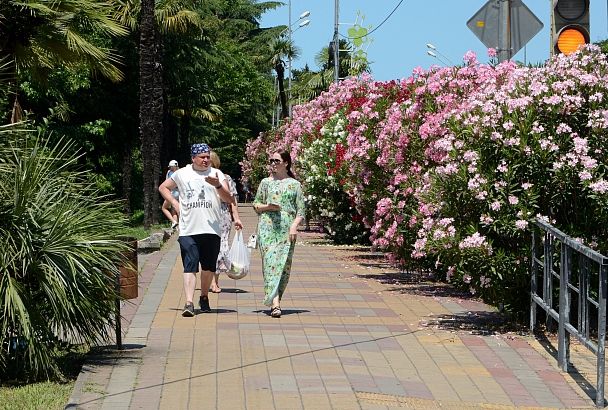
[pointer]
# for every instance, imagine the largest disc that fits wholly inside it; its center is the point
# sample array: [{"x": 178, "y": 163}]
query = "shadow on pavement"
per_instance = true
[
  {"x": 233, "y": 290},
  {"x": 108, "y": 355},
  {"x": 476, "y": 322},
  {"x": 284, "y": 312},
  {"x": 580, "y": 376}
]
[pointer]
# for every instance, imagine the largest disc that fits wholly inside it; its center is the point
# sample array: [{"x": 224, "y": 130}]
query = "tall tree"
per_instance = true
[
  {"x": 40, "y": 35},
  {"x": 150, "y": 107},
  {"x": 281, "y": 51},
  {"x": 154, "y": 19}
]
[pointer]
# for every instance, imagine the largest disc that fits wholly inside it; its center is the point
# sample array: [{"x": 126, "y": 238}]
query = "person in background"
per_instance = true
[
  {"x": 168, "y": 210},
  {"x": 202, "y": 189},
  {"x": 280, "y": 206},
  {"x": 230, "y": 213},
  {"x": 246, "y": 191}
]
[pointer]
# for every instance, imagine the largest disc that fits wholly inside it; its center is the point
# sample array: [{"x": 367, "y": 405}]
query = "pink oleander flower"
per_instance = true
[
  {"x": 601, "y": 186},
  {"x": 526, "y": 185},
  {"x": 486, "y": 219},
  {"x": 585, "y": 175},
  {"x": 473, "y": 241}
]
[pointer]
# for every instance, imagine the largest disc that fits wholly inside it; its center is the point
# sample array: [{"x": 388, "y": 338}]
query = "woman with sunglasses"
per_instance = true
[{"x": 280, "y": 205}]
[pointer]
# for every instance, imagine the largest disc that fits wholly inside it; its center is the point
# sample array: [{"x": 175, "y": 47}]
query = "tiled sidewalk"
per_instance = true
[{"x": 345, "y": 341}]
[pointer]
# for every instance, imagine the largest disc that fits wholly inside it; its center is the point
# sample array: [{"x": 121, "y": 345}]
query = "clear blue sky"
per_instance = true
[{"x": 399, "y": 45}]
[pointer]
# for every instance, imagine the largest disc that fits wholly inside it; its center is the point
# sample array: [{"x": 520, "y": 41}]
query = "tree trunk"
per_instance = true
[
  {"x": 280, "y": 69},
  {"x": 150, "y": 109},
  {"x": 127, "y": 180},
  {"x": 169, "y": 149},
  {"x": 185, "y": 123}
]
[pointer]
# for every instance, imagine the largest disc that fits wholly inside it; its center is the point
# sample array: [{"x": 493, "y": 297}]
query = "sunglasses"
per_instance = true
[{"x": 274, "y": 161}]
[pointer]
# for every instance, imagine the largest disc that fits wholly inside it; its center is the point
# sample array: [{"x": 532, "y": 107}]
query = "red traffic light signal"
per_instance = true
[{"x": 570, "y": 25}]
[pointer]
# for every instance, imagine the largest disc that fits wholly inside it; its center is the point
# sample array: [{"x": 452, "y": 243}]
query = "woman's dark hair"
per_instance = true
[{"x": 287, "y": 160}]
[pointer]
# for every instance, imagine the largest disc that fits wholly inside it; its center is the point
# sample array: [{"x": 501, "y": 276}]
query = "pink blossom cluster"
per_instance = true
[{"x": 454, "y": 163}]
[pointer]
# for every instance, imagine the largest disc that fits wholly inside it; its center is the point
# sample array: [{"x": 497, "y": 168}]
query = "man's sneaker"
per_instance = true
[
  {"x": 188, "y": 310},
  {"x": 204, "y": 304}
]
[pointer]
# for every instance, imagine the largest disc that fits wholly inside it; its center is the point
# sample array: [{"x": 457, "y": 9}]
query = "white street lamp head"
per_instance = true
[
  {"x": 431, "y": 46},
  {"x": 304, "y": 23},
  {"x": 429, "y": 52},
  {"x": 305, "y": 14}
]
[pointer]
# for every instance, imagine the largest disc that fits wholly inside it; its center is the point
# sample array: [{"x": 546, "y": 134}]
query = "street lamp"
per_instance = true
[
  {"x": 303, "y": 23},
  {"x": 433, "y": 52}
]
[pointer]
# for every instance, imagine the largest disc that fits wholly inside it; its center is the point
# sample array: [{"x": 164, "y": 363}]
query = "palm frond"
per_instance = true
[
  {"x": 58, "y": 254},
  {"x": 63, "y": 33}
]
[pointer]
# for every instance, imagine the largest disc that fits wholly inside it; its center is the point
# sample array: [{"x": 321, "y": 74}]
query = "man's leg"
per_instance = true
[
  {"x": 203, "y": 301},
  {"x": 206, "y": 278},
  {"x": 189, "y": 286},
  {"x": 209, "y": 252},
  {"x": 190, "y": 259}
]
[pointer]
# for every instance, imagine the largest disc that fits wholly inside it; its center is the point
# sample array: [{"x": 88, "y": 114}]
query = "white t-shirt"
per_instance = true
[{"x": 199, "y": 201}]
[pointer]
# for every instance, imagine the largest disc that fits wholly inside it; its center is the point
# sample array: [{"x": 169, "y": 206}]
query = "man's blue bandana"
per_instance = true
[{"x": 201, "y": 148}]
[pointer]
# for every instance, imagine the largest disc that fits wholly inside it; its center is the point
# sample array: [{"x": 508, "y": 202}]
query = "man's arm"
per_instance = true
[
  {"x": 165, "y": 191},
  {"x": 225, "y": 194}
]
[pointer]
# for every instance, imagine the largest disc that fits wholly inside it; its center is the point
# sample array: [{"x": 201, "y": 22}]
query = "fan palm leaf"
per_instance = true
[
  {"x": 46, "y": 34},
  {"x": 58, "y": 254}
]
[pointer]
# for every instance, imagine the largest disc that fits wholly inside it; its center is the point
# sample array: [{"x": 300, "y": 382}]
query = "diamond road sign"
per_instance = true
[{"x": 485, "y": 24}]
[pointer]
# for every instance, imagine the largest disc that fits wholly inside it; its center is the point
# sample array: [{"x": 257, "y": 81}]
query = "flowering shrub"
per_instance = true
[
  {"x": 532, "y": 144},
  {"x": 448, "y": 167},
  {"x": 327, "y": 200}
]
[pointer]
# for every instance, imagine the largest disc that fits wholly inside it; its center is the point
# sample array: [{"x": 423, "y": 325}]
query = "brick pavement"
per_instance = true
[{"x": 346, "y": 340}]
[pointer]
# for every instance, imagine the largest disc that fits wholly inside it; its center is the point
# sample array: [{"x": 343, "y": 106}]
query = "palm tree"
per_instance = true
[
  {"x": 150, "y": 107},
  {"x": 39, "y": 36},
  {"x": 152, "y": 19},
  {"x": 281, "y": 50},
  {"x": 311, "y": 84},
  {"x": 58, "y": 254}
]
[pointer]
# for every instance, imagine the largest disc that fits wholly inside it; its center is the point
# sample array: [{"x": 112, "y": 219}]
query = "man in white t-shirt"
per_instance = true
[{"x": 201, "y": 190}]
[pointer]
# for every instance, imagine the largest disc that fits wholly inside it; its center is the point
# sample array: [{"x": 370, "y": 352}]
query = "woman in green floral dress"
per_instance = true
[{"x": 280, "y": 205}]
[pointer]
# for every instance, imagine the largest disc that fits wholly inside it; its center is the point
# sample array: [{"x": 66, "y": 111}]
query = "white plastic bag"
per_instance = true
[
  {"x": 239, "y": 257},
  {"x": 252, "y": 243}
]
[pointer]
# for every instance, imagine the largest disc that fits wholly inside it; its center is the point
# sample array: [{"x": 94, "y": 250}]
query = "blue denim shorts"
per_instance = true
[{"x": 200, "y": 250}]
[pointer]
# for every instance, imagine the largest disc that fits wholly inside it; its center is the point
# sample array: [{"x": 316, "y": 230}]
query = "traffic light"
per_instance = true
[{"x": 570, "y": 25}]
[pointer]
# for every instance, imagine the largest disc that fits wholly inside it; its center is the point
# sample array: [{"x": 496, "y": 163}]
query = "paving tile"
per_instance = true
[{"x": 345, "y": 341}]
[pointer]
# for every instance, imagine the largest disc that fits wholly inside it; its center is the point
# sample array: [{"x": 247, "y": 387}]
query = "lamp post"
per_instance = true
[
  {"x": 290, "y": 32},
  {"x": 336, "y": 42},
  {"x": 433, "y": 52}
]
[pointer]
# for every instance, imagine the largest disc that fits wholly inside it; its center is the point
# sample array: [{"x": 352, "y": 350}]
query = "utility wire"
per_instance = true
[{"x": 376, "y": 28}]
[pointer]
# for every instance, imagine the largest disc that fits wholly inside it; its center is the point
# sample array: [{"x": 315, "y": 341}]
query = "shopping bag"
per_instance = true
[
  {"x": 239, "y": 257},
  {"x": 252, "y": 243}
]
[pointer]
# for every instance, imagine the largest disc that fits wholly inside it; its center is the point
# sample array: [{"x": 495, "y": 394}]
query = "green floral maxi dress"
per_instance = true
[{"x": 273, "y": 232}]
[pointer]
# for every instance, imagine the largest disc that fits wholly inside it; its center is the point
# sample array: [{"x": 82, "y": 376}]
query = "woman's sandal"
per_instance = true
[{"x": 275, "y": 312}]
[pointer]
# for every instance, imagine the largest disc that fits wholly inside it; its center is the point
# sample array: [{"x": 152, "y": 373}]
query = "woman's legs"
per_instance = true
[
  {"x": 275, "y": 310},
  {"x": 215, "y": 284},
  {"x": 276, "y": 301},
  {"x": 168, "y": 212}
]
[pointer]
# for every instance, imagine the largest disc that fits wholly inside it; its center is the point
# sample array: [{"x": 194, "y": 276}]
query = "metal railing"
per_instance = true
[{"x": 581, "y": 276}]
